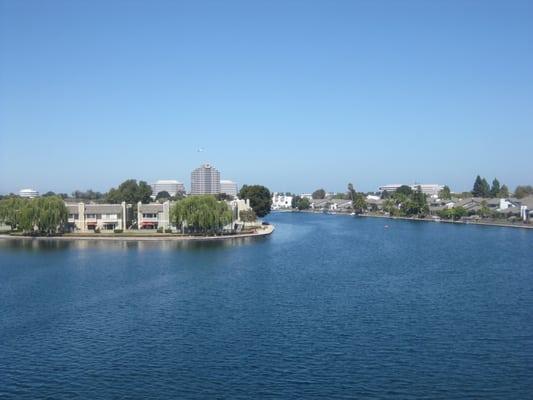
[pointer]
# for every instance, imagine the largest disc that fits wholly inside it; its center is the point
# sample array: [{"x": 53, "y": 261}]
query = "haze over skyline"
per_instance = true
[{"x": 294, "y": 95}]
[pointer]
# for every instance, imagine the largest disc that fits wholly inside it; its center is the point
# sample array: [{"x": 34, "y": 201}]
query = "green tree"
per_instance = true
[
  {"x": 477, "y": 190},
  {"x": 351, "y": 192},
  {"x": 481, "y": 188},
  {"x": 88, "y": 195},
  {"x": 319, "y": 194},
  {"x": 445, "y": 193},
  {"x": 52, "y": 215},
  {"x": 164, "y": 196},
  {"x": 295, "y": 201},
  {"x": 522, "y": 191},
  {"x": 484, "y": 210},
  {"x": 260, "y": 198},
  {"x": 405, "y": 190},
  {"x": 359, "y": 203},
  {"x": 41, "y": 215},
  {"x": 201, "y": 214},
  {"x": 417, "y": 203},
  {"x": 304, "y": 204},
  {"x": 247, "y": 216},
  {"x": 495, "y": 189},
  {"x": 454, "y": 213},
  {"x": 485, "y": 188},
  {"x": 11, "y": 211},
  {"x": 223, "y": 196},
  {"x": 504, "y": 191},
  {"x": 131, "y": 192},
  {"x": 389, "y": 205}
]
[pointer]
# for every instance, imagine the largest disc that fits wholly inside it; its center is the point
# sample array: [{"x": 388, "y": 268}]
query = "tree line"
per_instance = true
[
  {"x": 406, "y": 202},
  {"x": 38, "y": 216},
  {"x": 483, "y": 189}
]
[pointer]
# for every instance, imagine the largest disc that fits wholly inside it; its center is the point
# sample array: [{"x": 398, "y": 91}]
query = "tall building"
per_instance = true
[
  {"x": 205, "y": 180},
  {"x": 29, "y": 193},
  {"x": 171, "y": 186},
  {"x": 228, "y": 187},
  {"x": 429, "y": 189}
]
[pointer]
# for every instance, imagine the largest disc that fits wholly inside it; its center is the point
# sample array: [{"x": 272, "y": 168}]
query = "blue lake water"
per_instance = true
[{"x": 327, "y": 307}]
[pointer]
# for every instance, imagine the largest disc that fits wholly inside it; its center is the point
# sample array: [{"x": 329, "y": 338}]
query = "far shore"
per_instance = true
[
  {"x": 445, "y": 221},
  {"x": 259, "y": 232}
]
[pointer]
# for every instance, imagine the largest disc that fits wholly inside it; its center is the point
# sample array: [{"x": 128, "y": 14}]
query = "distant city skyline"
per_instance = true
[{"x": 291, "y": 95}]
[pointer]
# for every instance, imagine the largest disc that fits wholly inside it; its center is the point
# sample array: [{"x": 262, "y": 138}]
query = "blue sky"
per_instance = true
[{"x": 294, "y": 95}]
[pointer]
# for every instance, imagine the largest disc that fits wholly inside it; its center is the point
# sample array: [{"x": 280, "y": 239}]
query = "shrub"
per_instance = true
[
  {"x": 168, "y": 230},
  {"x": 118, "y": 230},
  {"x": 97, "y": 230},
  {"x": 159, "y": 230}
]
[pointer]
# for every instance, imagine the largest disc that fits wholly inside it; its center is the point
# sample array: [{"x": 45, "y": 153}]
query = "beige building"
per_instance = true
[
  {"x": 89, "y": 217},
  {"x": 153, "y": 216}
]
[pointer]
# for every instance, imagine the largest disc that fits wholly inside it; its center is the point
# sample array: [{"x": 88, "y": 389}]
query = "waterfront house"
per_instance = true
[
  {"x": 281, "y": 201},
  {"x": 89, "y": 217},
  {"x": 153, "y": 215}
]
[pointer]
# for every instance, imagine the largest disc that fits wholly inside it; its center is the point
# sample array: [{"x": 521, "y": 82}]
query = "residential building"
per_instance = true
[
  {"x": 86, "y": 217},
  {"x": 153, "y": 216},
  {"x": 205, "y": 180},
  {"x": 171, "y": 186},
  {"x": 237, "y": 206},
  {"x": 280, "y": 201},
  {"x": 229, "y": 188},
  {"x": 29, "y": 193},
  {"x": 427, "y": 188},
  {"x": 340, "y": 205}
]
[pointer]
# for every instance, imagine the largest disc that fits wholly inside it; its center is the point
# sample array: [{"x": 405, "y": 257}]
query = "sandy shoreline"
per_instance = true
[{"x": 264, "y": 231}]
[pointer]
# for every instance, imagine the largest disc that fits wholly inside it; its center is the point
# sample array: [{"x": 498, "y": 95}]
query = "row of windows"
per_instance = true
[
  {"x": 149, "y": 215},
  {"x": 94, "y": 216}
]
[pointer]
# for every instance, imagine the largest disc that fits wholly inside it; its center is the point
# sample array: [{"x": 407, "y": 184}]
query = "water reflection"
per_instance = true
[{"x": 32, "y": 244}]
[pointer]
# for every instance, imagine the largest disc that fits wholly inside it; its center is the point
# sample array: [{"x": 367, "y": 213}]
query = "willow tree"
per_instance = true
[
  {"x": 52, "y": 215},
  {"x": 43, "y": 215},
  {"x": 10, "y": 211},
  {"x": 201, "y": 214}
]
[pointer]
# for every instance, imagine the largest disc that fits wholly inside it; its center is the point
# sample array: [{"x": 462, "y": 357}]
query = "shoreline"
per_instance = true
[
  {"x": 501, "y": 225},
  {"x": 449, "y": 221},
  {"x": 264, "y": 231}
]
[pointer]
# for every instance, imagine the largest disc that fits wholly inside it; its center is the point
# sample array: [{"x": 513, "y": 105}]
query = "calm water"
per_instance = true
[{"x": 327, "y": 307}]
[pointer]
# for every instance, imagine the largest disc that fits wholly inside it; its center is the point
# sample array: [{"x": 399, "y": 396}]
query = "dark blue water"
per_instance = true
[{"x": 327, "y": 307}]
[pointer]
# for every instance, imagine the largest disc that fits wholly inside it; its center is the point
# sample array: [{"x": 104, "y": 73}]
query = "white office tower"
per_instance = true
[
  {"x": 29, "y": 193},
  {"x": 228, "y": 187},
  {"x": 167, "y": 185},
  {"x": 205, "y": 180}
]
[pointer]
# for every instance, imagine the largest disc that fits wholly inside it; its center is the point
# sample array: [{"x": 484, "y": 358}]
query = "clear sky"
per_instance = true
[{"x": 294, "y": 95}]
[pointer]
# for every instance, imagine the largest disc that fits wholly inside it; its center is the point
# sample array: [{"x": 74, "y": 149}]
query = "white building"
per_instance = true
[
  {"x": 430, "y": 189},
  {"x": 86, "y": 217},
  {"x": 29, "y": 193},
  {"x": 171, "y": 186},
  {"x": 205, "y": 180},
  {"x": 228, "y": 187},
  {"x": 280, "y": 201}
]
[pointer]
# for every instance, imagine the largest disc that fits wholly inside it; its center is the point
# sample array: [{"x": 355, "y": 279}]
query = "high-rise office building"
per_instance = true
[{"x": 205, "y": 180}]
